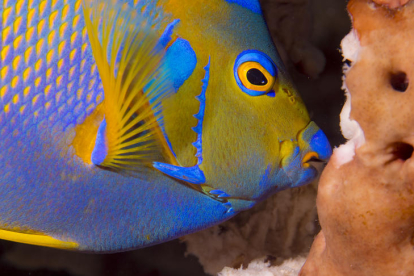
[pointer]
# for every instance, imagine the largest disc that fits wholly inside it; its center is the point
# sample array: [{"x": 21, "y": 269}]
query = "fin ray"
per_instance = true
[{"x": 129, "y": 59}]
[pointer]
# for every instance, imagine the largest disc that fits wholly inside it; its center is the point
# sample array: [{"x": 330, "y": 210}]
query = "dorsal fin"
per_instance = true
[{"x": 129, "y": 59}]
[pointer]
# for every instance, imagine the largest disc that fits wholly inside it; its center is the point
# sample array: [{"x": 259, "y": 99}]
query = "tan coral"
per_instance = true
[{"x": 366, "y": 205}]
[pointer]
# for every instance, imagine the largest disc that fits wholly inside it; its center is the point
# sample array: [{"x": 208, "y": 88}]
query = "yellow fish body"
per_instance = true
[{"x": 131, "y": 123}]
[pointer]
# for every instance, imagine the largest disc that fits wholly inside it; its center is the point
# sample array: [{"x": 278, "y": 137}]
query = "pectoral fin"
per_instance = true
[{"x": 135, "y": 80}]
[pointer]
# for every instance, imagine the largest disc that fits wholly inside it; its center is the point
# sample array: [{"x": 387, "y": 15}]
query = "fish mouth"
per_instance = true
[
  {"x": 311, "y": 157},
  {"x": 298, "y": 156},
  {"x": 310, "y": 145},
  {"x": 314, "y": 144},
  {"x": 313, "y": 147}
]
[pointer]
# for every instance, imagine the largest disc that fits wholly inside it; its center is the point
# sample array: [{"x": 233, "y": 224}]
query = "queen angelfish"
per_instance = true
[{"x": 128, "y": 123}]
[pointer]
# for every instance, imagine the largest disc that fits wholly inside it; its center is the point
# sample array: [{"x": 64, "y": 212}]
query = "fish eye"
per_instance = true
[
  {"x": 255, "y": 73},
  {"x": 256, "y": 77}
]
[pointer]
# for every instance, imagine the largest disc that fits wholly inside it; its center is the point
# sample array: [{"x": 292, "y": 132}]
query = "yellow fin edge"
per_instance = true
[{"x": 37, "y": 239}]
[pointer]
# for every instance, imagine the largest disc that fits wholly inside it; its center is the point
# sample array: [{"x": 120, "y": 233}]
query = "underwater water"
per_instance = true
[{"x": 324, "y": 99}]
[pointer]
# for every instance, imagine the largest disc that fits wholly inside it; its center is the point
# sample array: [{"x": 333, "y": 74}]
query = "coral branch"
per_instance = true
[{"x": 366, "y": 205}]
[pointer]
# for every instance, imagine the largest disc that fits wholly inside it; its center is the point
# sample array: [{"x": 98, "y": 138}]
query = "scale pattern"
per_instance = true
[{"x": 48, "y": 77}]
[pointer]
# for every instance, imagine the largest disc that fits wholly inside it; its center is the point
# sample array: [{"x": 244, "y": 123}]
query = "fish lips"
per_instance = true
[{"x": 313, "y": 146}]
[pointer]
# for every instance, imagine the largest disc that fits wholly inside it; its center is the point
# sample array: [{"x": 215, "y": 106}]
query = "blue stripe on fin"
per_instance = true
[
  {"x": 101, "y": 146},
  {"x": 189, "y": 174},
  {"x": 166, "y": 36},
  {"x": 252, "y": 5}
]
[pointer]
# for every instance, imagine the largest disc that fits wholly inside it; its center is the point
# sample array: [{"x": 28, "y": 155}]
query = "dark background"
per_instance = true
[{"x": 320, "y": 23}]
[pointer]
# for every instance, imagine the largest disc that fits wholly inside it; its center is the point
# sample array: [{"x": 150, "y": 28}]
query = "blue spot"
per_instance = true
[
  {"x": 252, "y": 5},
  {"x": 271, "y": 94},
  {"x": 166, "y": 36},
  {"x": 101, "y": 147},
  {"x": 181, "y": 60}
]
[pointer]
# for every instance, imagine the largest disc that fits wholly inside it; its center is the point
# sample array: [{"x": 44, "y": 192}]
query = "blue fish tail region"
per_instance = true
[
  {"x": 181, "y": 61},
  {"x": 101, "y": 146},
  {"x": 252, "y": 5},
  {"x": 193, "y": 174}
]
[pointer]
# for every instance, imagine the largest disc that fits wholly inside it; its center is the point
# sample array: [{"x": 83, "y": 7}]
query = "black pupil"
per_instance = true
[{"x": 254, "y": 76}]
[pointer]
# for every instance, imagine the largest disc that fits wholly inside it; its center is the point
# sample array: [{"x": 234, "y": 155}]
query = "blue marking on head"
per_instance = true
[
  {"x": 320, "y": 144},
  {"x": 255, "y": 56},
  {"x": 271, "y": 94},
  {"x": 316, "y": 140},
  {"x": 252, "y": 5},
  {"x": 101, "y": 146},
  {"x": 166, "y": 36},
  {"x": 200, "y": 115},
  {"x": 181, "y": 60},
  {"x": 192, "y": 174}
]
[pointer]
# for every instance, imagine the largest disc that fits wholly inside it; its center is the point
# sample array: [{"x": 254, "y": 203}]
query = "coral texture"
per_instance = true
[
  {"x": 259, "y": 267},
  {"x": 281, "y": 227},
  {"x": 365, "y": 198}
]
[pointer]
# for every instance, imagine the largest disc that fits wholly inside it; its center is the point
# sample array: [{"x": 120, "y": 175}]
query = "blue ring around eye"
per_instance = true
[{"x": 256, "y": 56}]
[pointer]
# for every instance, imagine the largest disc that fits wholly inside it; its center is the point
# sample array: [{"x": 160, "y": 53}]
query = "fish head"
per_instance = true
[{"x": 257, "y": 135}]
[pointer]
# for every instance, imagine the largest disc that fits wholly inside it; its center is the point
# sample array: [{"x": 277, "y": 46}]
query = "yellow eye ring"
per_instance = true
[
  {"x": 260, "y": 80},
  {"x": 255, "y": 73}
]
